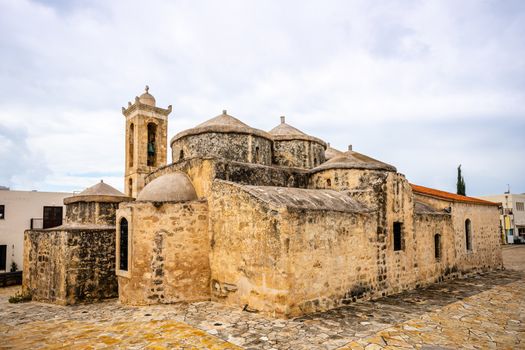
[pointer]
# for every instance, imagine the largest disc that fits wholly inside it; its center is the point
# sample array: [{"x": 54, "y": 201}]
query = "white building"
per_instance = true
[
  {"x": 512, "y": 215},
  {"x": 22, "y": 210}
]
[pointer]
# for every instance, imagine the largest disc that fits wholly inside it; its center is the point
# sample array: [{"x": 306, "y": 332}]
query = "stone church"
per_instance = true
[{"x": 274, "y": 221}]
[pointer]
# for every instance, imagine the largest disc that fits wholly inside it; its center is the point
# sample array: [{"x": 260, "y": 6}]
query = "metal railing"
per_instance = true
[{"x": 37, "y": 223}]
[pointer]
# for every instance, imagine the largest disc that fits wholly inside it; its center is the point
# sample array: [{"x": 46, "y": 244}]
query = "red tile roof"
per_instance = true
[{"x": 449, "y": 196}]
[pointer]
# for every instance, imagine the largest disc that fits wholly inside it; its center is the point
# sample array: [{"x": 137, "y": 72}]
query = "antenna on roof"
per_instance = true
[{"x": 508, "y": 189}]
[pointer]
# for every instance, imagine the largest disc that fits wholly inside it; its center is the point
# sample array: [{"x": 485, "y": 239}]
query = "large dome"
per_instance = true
[
  {"x": 223, "y": 123},
  {"x": 174, "y": 187}
]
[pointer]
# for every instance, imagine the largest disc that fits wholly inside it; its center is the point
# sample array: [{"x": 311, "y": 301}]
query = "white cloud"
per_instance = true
[{"x": 346, "y": 71}]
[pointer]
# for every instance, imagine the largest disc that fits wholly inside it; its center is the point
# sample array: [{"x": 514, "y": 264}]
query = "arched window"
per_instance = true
[
  {"x": 468, "y": 234},
  {"x": 437, "y": 246},
  {"x": 152, "y": 144},
  {"x": 328, "y": 183},
  {"x": 181, "y": 155},
  {"x": 315, "y": 161},
  {"x": 123, "y": 245},
  {"x": 130, "y": 187},
  {"x": 131, "y": 139}
]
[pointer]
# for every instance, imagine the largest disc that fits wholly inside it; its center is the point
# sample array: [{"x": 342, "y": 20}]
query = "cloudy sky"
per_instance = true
[{"x": 422, "y": 85}]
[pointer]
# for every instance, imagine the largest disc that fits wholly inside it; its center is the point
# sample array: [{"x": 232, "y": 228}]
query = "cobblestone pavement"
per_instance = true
[{"x": 483, "y": 311}]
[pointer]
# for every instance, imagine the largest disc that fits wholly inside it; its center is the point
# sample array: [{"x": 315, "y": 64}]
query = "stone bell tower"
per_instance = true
[{"x": 146, "y": 140}]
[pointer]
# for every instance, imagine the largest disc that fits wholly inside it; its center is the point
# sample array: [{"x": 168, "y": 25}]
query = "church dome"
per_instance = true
[
  {"x": 174, "y": 187},
  {"x": 286, "y": 132},
  {"x": 331, "y": 152},
  {"x": 223, "y": 123},
  {"x": 100, "y": 192},
  {"x": 354, "y": 160},
  {"x": 146, "y": 98}
]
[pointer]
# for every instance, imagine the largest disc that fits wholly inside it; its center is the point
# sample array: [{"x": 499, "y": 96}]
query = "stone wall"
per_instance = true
[
  {"x": 486, "y": 251},
  {"x": 299, "y": 256},
  {"x": 428, "y": 268},
  {"x": 202, "y": 172},
  {"x": 98, "y": 213},
  {"x": 239, "y": 147},
  {"x": 169, "y": 253},
  {"x": 331, "y": 257},
  {"x": 70, "y": 266},
  {"x": 298, "y": 153}
]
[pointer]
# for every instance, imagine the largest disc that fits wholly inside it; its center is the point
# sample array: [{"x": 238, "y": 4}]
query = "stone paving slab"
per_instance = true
[
  {"x": 482, "y": 311},
  {"x": 494, "y": 319},
  {"x": 211, "y": 325}
]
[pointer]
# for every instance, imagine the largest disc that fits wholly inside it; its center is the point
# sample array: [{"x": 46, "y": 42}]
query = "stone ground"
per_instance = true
[{"x": 480, "y": 312}]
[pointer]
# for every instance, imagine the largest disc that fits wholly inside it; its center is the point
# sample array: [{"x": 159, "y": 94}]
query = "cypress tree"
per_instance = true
[{"x": 460, "y": 184}]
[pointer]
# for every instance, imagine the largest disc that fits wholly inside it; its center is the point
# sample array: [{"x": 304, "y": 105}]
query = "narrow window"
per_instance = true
[
  {"x": 123, "y": 245},
  {"x": 328, "y": 183},
  {"x": 130, "y": 143},
  {"x": 181, "y": 155},
  {"x": 315, "y": 162},
  {"x": 52, "y": 217},
  {"x": 152, "y": 145},
  {"x": 468, "y": 234},
  {"x": 437, "y": 246},
  {"x": 398, "y": 236},
  {"x": 2, "y": 212},
  {"x": 3, "y": 257},
  {"x": 256, "y": 154},
  {"x": 130, "y": 188}
]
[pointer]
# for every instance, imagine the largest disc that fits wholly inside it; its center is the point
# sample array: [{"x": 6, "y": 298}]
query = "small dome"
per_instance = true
[
  {"x": 100, "y": 192},
  {"x": 286, "y": 132},
  {"x": 146, "y": 98},
  {"x": 331, "y": 152},
  {"x": 223, "y": 123},
  {"x": 174, "y": 187},
  {"x": 101, "y": 189},
  {"x": 354, "y": 160}
]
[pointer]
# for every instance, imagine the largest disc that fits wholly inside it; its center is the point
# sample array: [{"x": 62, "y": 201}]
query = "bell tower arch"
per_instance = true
[{"x": 146, "y": 140}]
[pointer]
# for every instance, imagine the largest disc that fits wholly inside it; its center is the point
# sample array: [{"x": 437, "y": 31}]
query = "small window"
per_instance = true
[
  {"x": 2, "y": 212},
  {"x": 315, "y": 161},
  {"x": 52, "y": 217},
  {"x": 520, "y": 206},
  {"x": 398, "y": 239},
  {"x": 123, "y": 245},
  {"x": 328, "y": 183},
  {"x": 437, "y": 246},
  {"x": 257, "y": 154},
  {"x": 468, "y": 234},
  {"x": 130, "y": 188},
  {"x": 181, "y": 154}
]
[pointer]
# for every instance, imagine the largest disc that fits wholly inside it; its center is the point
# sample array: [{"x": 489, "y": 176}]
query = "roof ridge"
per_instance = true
[{"x": 448, "y": 195}]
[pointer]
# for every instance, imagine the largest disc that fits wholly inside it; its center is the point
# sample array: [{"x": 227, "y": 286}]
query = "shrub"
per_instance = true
[{"x": 20, "y": 297}]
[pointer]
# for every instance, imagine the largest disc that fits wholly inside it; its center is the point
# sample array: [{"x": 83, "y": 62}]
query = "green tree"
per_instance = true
[{"x": 460, "y": 184}]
